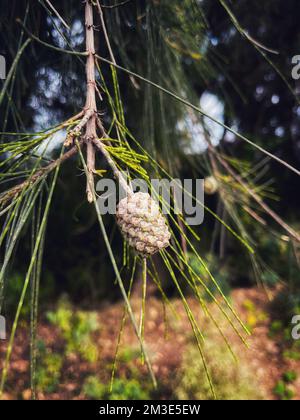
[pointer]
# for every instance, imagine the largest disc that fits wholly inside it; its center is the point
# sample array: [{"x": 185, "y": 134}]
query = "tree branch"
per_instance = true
[
  {"x": 90, "y": 105},
  {"x": 10, "y": 194}
]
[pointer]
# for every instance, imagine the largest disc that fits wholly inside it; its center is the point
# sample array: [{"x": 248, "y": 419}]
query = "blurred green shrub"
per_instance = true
[
  {"x": 289, "y": 376},
  {"x": 231, "y": 381},
  {"x": 128, "y": 354},
  {"x": 276, "y": 328},
  {"x": 76, "y": 327},
  {"x": 123, "y": 389},
  {"x": 292, "y": 352},
  {"x": 48, "y": 371},
  {"x": 253, "y": 314},
  {"x": 94, "y": 389},
  {"x": 282, "y": 391}
]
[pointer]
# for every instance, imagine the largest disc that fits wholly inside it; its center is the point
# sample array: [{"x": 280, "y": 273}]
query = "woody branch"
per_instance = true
[{"x": 90, "y": 105}]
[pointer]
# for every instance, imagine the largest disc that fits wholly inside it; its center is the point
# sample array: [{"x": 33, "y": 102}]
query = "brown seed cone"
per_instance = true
[{"x": 142, "y": 224}]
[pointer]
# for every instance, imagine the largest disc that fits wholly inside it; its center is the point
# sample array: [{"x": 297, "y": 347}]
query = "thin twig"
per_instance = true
[
  {"x": 12, "y": 69},
  {"x": 105, "y": 32},
  {"x": 117, "y": 173},
  {"x": 76, "y": 132},
  {"x": 58, "y": 15},
  {"x": 258, "y": 199},
  {"x": 46, "y": 44},
  {"x": 114, "y": 6}
]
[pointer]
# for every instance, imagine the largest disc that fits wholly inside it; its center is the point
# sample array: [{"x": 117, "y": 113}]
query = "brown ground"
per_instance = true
[{"x": 165, "y": 344}]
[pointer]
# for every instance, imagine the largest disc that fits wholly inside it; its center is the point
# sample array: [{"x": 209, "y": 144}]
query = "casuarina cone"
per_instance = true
[{"x": 143, "y": 224}]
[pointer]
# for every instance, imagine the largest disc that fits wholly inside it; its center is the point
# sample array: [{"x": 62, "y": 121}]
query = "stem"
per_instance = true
[
  {"x": 113, "y": 166},
  {"x": 90, "y": 105},
  {"x": 96, "y": 143},
  {"x": 99, "y": 6},
  {"x": 143, "y": 308},
  {"x": 12, "y": 69}
]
